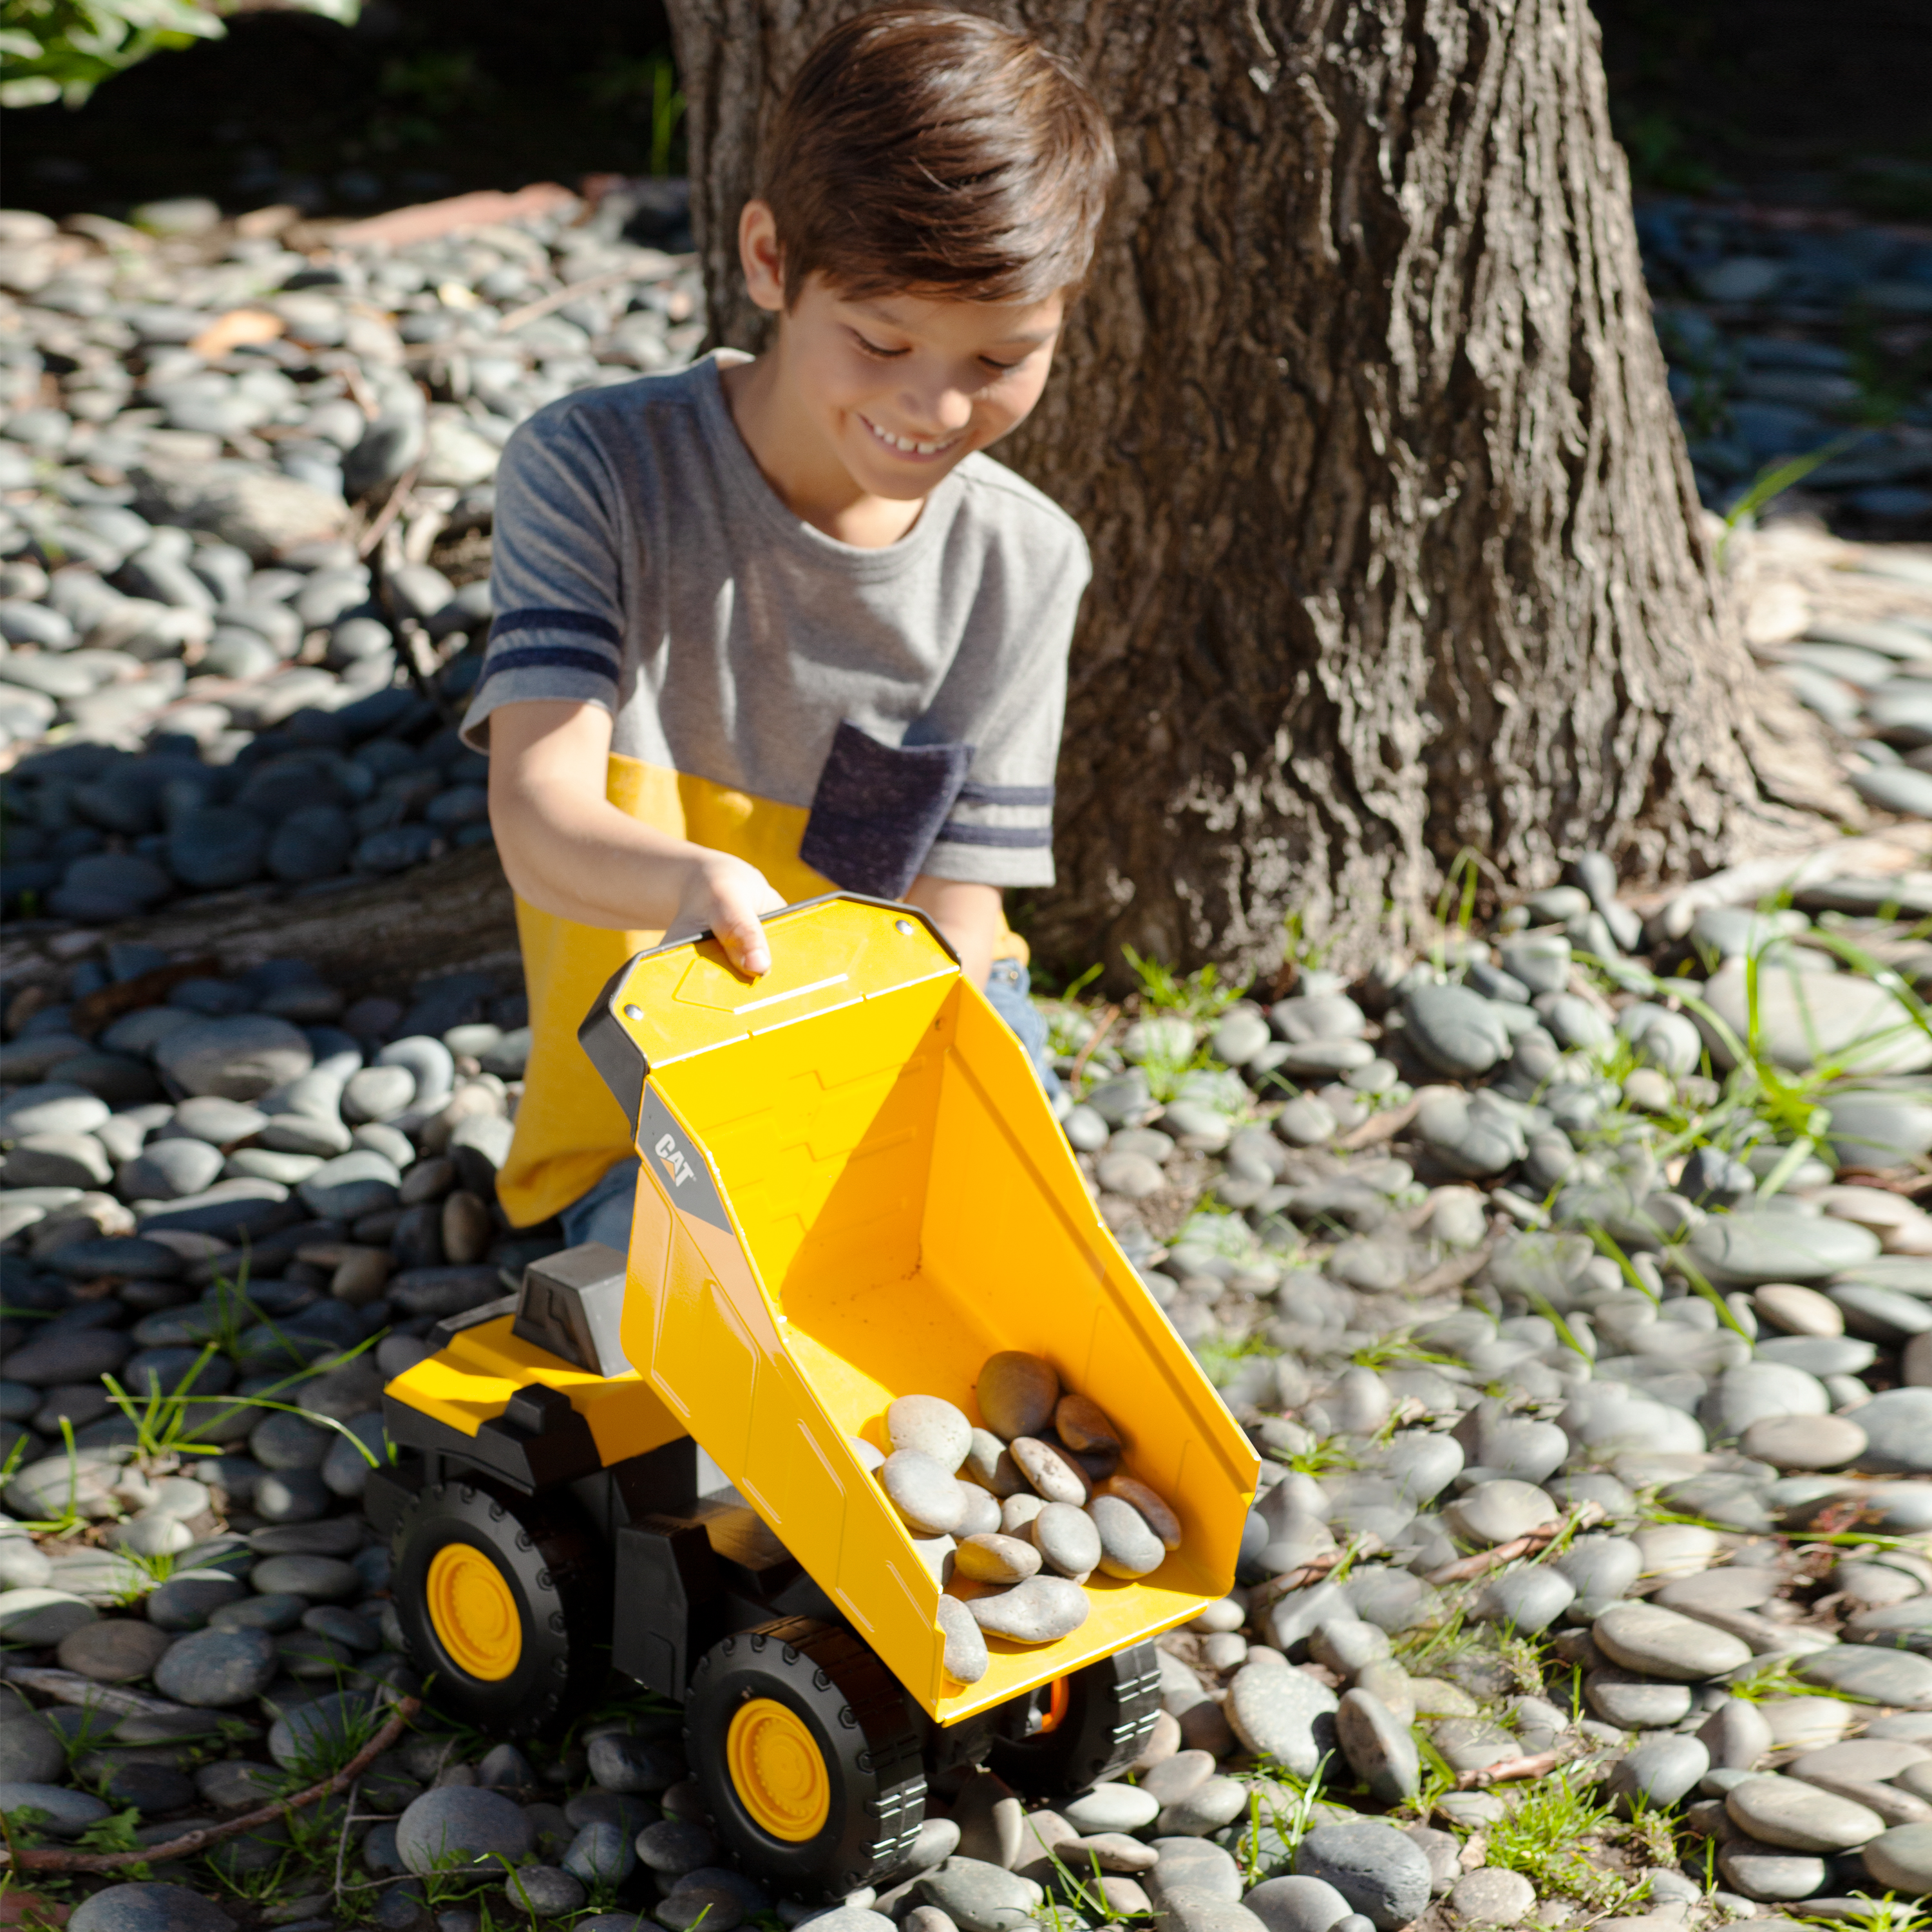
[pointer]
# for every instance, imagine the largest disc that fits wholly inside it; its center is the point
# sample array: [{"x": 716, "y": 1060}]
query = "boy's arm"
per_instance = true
[
  {"x": 968, "y": 914},
  {"x": 568, "y": 850}
]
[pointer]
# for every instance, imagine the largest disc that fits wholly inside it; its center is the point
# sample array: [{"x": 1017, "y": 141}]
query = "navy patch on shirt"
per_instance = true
[{"x": 878, "y": 808}]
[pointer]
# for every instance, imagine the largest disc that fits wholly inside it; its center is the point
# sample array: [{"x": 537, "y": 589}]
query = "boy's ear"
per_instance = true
[{"x": 761, "y": 256}]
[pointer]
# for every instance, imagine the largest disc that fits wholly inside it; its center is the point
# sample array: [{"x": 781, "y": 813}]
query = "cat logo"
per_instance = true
[{"x": 675, "y": 1165}]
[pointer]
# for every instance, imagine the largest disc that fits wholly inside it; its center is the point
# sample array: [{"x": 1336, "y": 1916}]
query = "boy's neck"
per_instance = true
[{"x": 808, "y": 478}]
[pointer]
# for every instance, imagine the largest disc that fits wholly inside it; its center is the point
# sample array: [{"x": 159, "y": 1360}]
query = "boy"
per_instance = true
[{"x": 767, "y": 627}]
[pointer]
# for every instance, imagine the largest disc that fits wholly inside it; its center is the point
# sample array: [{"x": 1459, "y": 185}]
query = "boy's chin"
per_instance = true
[
  {"x": 905, "y": 492},
  {"x": 901, "y": 483}
]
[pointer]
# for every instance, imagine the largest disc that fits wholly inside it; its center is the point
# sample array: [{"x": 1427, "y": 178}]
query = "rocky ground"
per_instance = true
[
  {"x": 1571, "y": 1278},
  {"x": 1794, "y": 334},
  {"x": 216, "y": 674},
  {"x": 245, "y": 494}
]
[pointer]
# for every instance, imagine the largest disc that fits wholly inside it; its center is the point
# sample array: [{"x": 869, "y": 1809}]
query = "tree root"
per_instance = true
[{"x": 363, "y": 935}]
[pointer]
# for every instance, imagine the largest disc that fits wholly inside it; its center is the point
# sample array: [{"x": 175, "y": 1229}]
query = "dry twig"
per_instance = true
[
  {"x": 109, "y": 1002},
  {"x": 1450, "y": 1273},
  {"x": 70, "y": 1687},
  {"x": 1382, "y": 1126},
  {"x": 1298, "y": 1580},
  {"x": 52, "y": 1857},
  {"x": 360, "y": 393},
  {"x": 1086, "y": 1053},
  {"x": 515, "y": 318},
  {"x": 1893, "y": 1180},
  {"x": 390, "y": 511},
  {"x": 1464, "y": 1568},
  {"x": 1507, "y": 1771},
  {"x": 1367, "y": 1543}
]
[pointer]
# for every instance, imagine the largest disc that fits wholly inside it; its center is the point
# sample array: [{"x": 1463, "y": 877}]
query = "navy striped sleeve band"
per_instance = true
[
  {"x": 972, "y": 793},
  {"x": 550, "y": 657},
  {"x": 582, "y": 621},
  {"x": 952, "y": 833}
]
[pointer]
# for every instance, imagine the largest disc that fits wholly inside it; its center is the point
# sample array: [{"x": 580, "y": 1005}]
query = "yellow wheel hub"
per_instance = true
[
  {"x": 474, "y": 1613},
  {"x": 777, "y": 1771}
]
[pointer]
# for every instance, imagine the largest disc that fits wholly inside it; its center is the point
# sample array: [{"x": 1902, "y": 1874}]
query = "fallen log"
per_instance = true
[{"x": 363, "y": 935}]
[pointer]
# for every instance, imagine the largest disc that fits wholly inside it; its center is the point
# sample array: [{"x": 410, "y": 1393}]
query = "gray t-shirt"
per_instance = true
[{"x": 910, "y": 697}]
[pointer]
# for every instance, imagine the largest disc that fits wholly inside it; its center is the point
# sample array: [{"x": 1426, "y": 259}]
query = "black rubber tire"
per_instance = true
[
  {"x": 870, "y": 1737},
  {"x": 1111, "y": 1710},
  {"x": 550, "y": 1558}
]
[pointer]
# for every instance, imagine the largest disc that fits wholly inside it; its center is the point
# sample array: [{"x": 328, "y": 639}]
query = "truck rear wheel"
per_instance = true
[
  {"x": 1070, "y": 1734},
  {"x": 809, "y": 1754},
  {"x": 505, "y": 1602}
]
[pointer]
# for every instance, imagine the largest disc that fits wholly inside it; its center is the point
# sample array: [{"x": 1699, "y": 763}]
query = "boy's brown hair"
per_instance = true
[{"x": 920, "y": 149}]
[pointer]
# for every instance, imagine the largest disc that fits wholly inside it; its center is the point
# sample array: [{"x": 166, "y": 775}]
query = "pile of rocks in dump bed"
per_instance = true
[
  {"x": 215, "y": 673},
  {"x": 1022, "y": 1510},
  {"x": 1534, "y": 1502}
]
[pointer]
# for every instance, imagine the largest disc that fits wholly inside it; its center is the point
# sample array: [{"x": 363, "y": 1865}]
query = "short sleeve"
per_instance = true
[
  {"x": 556, "y": 580},
  {"x": 1006, "y": 699}
]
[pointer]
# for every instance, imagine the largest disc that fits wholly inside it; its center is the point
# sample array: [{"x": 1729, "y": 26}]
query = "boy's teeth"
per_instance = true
[{"x": 905, "y": 442}]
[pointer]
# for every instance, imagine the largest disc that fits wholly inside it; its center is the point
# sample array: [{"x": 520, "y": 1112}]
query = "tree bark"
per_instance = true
[{"x": 1397, "y": 553}]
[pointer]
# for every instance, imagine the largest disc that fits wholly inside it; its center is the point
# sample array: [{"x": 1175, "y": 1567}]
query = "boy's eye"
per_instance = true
[
  {"x": 873, "y": 348},
  {"x": 1004, "y": 368}
]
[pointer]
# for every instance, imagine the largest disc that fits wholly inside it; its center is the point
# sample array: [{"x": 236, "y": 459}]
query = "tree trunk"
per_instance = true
[{"x": 1396, "y": 549}]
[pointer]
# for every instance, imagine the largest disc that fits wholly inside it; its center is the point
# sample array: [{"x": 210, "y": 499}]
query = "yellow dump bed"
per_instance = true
[{"x": 854, "y": 1189}]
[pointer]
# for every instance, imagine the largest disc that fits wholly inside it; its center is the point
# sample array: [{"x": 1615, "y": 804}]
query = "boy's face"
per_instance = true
[{"x": 899, "y": 387}]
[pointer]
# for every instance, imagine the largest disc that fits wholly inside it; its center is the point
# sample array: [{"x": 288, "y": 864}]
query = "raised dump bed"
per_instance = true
[{"x": 854, "y": 1190}]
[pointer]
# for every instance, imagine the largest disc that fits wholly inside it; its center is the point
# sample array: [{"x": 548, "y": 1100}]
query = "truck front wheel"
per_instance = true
[
  {"x": 809, "y": 1756},
  {"x": 505, "y": 1603}
]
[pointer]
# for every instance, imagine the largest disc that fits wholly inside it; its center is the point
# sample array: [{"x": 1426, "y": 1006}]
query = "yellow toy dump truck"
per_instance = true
[{"x": 853, "y": 1189}]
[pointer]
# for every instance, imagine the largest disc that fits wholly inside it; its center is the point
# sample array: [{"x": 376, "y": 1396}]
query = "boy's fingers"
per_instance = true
[{"x": 744, "y": 939}]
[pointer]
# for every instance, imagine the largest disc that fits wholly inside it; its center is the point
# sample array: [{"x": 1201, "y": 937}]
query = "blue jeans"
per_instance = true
[
  {"x": 1006, "y": 990},
  {"x": 604, "y": 1213}
]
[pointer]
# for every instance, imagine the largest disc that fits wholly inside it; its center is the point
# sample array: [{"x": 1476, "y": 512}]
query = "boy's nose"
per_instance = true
[{"x": 948, "y": 411}]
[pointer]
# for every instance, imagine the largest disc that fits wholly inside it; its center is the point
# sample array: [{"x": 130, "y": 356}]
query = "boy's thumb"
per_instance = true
[{"x": 744, "y": 939}]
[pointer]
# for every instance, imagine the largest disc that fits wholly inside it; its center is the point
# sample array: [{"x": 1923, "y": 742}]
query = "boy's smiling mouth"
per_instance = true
[{"x": 906, "y": 446}]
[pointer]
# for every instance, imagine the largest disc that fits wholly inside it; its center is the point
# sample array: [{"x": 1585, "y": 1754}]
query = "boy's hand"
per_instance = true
[{"x": 727, "y": 895}]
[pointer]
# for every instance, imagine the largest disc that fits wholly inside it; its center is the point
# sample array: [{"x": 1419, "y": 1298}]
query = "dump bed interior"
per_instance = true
[{"x": 898, "y": 1205}]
